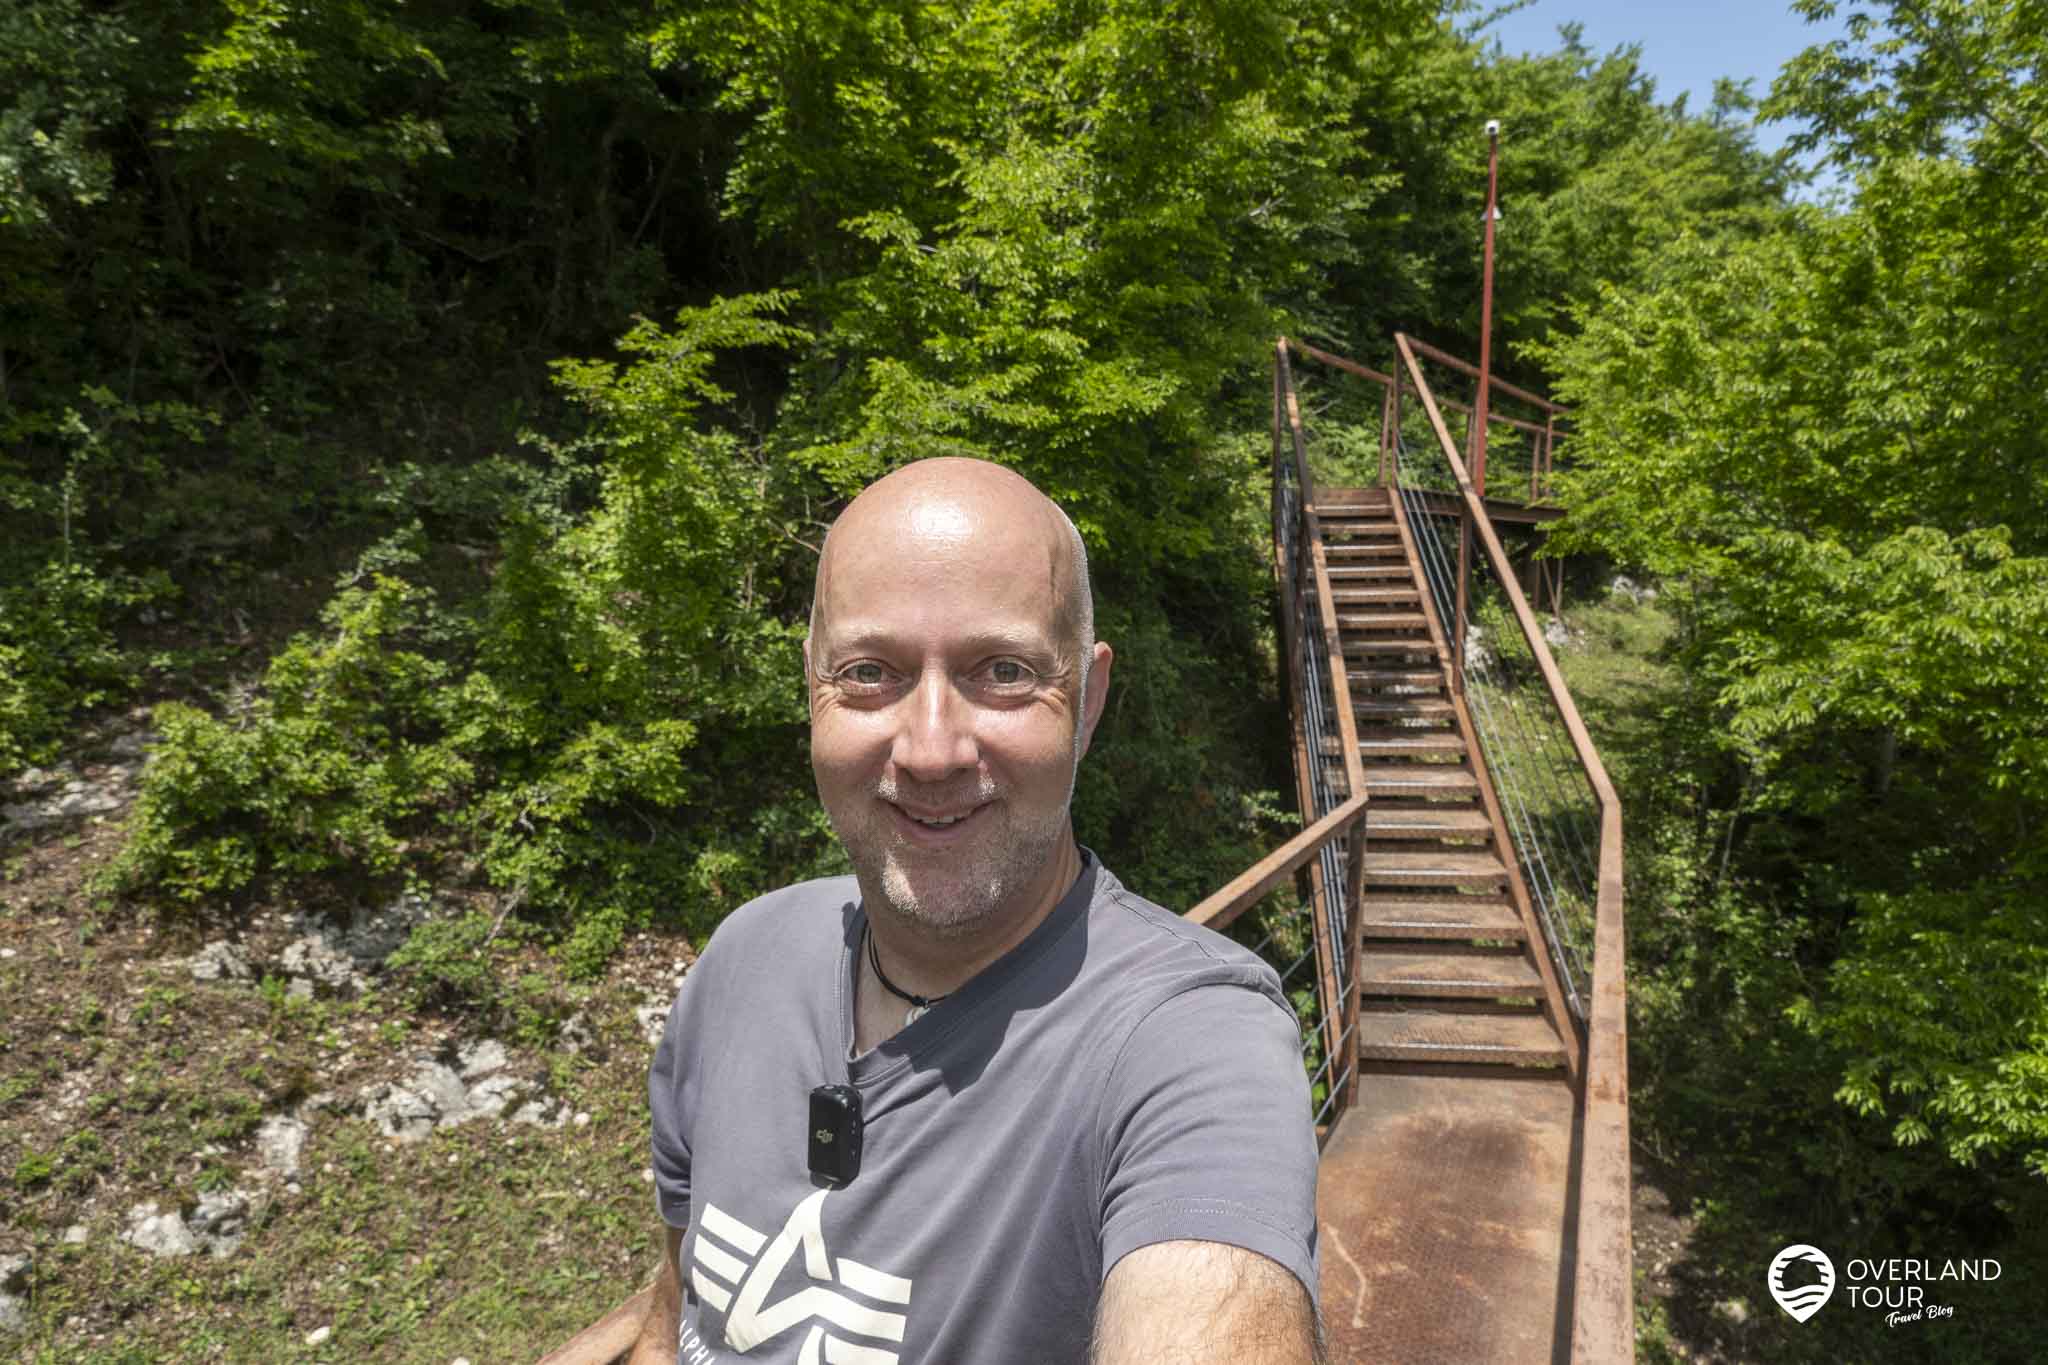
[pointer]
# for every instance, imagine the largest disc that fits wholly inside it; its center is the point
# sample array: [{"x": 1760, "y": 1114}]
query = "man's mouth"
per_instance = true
[{"x": 938, "y": 820}]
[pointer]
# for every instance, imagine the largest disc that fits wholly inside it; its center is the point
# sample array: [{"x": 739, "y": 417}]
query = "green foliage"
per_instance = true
[
  {"x": 33, "y": 1169},
  {"x": 1828, "y": 443},
  {"x": 58, "y": 655},
  {"x": 1965, "y": 1068},
  {"x": 555, "y": 730},
  {"x": 353, "y": 735}
]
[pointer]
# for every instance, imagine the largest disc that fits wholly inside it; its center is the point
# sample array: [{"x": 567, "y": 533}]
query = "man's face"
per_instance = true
[{"x": 946, "y": 712}]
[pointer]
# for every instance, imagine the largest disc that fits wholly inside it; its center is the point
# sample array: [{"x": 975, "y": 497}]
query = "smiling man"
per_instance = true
[{"x": 977, "y": 1102}]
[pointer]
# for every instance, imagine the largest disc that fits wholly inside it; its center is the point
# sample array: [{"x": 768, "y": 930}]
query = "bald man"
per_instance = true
[{"x": 976, "y": 1102}]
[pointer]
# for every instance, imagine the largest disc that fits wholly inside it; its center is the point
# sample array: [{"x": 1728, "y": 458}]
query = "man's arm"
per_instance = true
[
  {"x": 657, "y": 1343},
  {"x": 1192, "y": 1303}
]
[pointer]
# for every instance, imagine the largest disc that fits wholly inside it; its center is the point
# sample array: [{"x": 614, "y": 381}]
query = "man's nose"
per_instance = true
[{"x": 936, "y": 738}]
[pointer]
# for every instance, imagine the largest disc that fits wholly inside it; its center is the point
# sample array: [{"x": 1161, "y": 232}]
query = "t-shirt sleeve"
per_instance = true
[
  {"x": 670, "y": 1101},
  {"x": 1207, "y": 1132}
]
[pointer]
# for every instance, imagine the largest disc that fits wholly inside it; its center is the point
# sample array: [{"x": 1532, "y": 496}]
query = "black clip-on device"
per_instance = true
[{"x": 835, "y": 1134}]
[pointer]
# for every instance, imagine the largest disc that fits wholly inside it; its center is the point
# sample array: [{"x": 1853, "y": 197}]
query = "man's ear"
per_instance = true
[{"x": 1098, "y": 691}]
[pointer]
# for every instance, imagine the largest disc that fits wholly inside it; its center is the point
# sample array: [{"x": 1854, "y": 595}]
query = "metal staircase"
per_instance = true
[{"x": 1468, "y": 1010}]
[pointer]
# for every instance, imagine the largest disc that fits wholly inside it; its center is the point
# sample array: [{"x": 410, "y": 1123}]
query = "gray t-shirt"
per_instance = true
[{"x": 1120, "y": 1078}]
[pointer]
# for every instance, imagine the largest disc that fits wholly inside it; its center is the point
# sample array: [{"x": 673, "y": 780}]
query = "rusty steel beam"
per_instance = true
[
  {"x": 1493, "y": 418},
  {"x": 1471, "y": 371},
  {"x": 1354, "y": 954},
  {"x": 1301, "y": 474},
  {"x": 1347, "y": 724},
  {"x": 1292, "y": 599},
  {"x": 1603, "y": 1295},
  {"x": 1250, "y": 886},
  {"x": 1341, "y": 363},
  {"x": 1483, "y": 397}
]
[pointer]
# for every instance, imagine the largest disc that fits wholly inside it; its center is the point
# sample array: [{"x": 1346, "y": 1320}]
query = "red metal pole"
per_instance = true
[{"x": 1486, "y": 309}]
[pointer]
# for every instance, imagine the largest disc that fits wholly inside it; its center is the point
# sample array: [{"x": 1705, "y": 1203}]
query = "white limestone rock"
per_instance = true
[
  {"x": 159, "y": 1234},
  {"x": 280, "y": 1143},
  {"x": 221, "y": 961}
]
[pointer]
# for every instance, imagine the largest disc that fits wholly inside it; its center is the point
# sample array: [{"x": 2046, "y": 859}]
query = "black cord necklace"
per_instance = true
[{"x": 918, "y": 1003}]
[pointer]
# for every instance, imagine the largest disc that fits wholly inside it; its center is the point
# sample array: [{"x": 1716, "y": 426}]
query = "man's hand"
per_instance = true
[
  {"x": 657, "y": 1343},
  {"x": 1191, "y": 1303}
]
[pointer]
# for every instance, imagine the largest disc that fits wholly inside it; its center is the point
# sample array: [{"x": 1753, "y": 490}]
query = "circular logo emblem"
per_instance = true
[{"x": 1801, "y": 1279}]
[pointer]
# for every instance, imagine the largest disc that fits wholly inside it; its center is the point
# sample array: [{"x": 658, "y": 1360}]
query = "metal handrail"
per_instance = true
[
  {"x": 1259, "y": 880},
  {"x": 1603, "y": 1321},
  {"x": 1308, "y": 621}
]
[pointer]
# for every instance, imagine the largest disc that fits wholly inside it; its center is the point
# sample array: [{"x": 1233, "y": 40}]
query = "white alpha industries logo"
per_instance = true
[
  {"x": 724, "y": 1279},
  {"x": 1801, "y": 1297}
]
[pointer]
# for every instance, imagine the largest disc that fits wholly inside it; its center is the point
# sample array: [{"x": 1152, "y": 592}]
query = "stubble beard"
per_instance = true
[{"x": 921, "y": 887}]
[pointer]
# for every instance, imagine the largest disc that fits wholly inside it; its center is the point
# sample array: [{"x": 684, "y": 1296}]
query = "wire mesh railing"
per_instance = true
[{"x": 1314, "y": 945}]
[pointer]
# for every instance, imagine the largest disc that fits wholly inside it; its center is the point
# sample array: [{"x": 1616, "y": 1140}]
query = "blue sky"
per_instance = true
[{"x": 1685, "y": 45}]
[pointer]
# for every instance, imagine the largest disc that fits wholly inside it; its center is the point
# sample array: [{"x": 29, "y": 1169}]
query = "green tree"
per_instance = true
[{"x": 1830, "y": 440}]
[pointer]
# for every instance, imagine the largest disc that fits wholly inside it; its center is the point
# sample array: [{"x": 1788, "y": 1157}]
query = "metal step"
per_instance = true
[
  {"x": 1433, "y": 868},
  {"x": 1408, "y": 741},
  {"x": 1366, "y": 597},
  {"x": 1372, "y": 523},
  {"x": 1522, "y": 1039},
  {"x": 1397, "y": 707},
  {"x": 1412, "y": 644},
  {"x": 1444, "y": 972},
  {"x": 1355, "y": 550},
  {"x": 1419, "y": 779},
  {"x": 1450, "y": 916},
  {"x": 1394, "y": 677},
  {"x": 1382, "y": 620},
  {"x": 1418, "y": 743},
  {"x": 1386, "y": 820}
]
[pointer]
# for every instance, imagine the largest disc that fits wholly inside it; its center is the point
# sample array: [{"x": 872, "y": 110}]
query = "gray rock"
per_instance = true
[
  {"x": 481, "y": 1058},
  {"x": 14, "y": 1283},
  {"x": 222, "y": 961},
  {"x": 315, "y": 958},
  {"x": 221, "y": 1219},
  {"x": 75, "y": 798},
  {"x": 36, "y": 779},
  {"x": 280, "y": 1142},
  {"x": 409, "y": 1109},
  {"x": 160, "y": 1234},
  {"x": 438, "y": 1093},
  {"x": 575, "y": 1034},
  {"x": 652, "y": 1015},
  {"x": 134, "y": 745},
  {"x": 542, "y": 1113},
  {"x": 380, "y": 933}
]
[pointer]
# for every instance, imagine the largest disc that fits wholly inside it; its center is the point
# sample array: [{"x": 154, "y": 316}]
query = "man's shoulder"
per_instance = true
[
  {"x": 1160, "y": 953},
  {"x": 786, "y": 919}
]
